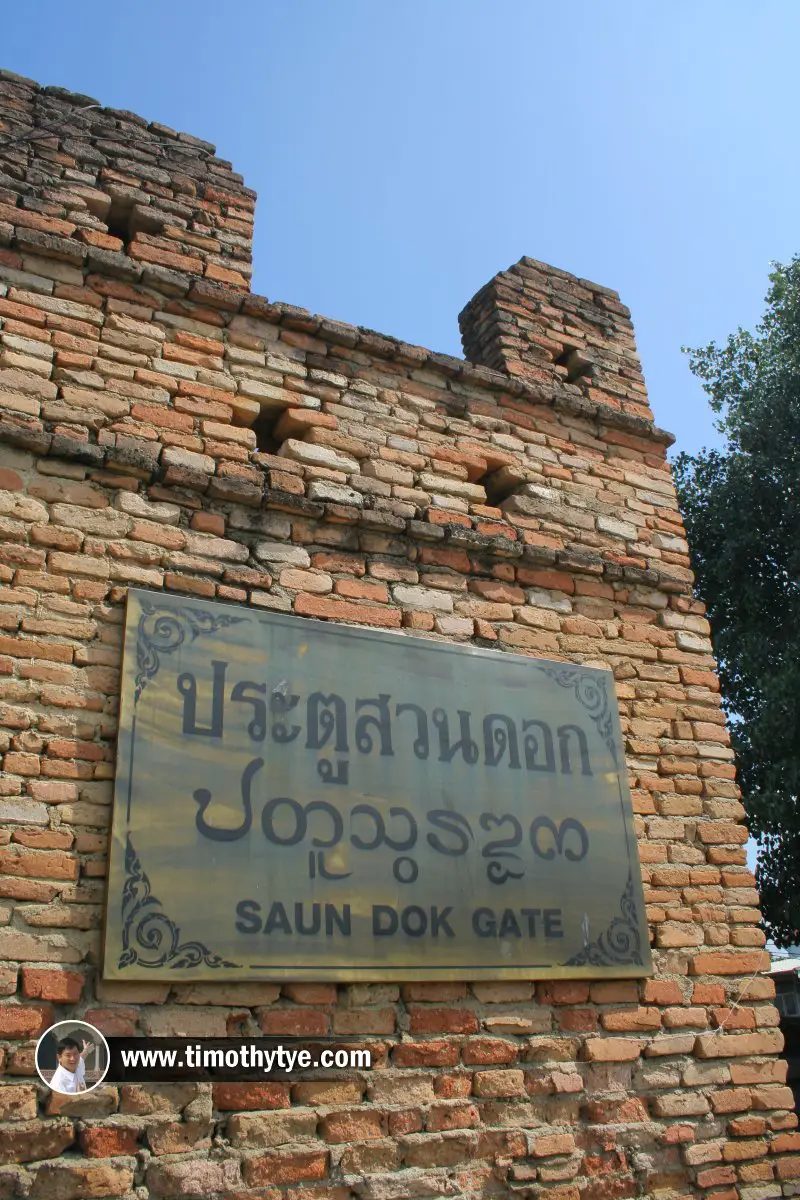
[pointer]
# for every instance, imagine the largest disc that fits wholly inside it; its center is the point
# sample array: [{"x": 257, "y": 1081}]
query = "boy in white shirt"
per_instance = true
[{"x": 70, "y": 1074}]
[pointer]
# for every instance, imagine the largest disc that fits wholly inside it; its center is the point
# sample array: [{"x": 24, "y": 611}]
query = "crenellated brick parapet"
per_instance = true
[
  {"x": 546, "y": 326},
  {"x": 161, "y": 426},
  {"x": 105, "y": 189}
]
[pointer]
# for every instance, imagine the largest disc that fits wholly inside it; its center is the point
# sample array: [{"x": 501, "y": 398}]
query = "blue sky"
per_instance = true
[{"x": 404, "y": 151}]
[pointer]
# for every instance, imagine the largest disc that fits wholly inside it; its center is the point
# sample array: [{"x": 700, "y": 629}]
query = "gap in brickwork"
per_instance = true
[
  {"x": 267, "y": 442},
  {"x": 118, "y": 222},
  {"x": 576, "y": 364}
]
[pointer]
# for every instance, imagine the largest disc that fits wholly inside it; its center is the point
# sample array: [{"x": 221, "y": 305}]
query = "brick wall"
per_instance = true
[{"x": 161, "y": 426}]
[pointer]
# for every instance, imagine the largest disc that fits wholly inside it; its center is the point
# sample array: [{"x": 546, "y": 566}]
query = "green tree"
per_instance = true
[{"x": 741, "y": 505}]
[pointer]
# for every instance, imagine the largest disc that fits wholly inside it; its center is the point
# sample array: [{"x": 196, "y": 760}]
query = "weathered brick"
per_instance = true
[
  {"x": 734, "y": 962},
  {"x": 33, "y": 1140},
  {"x": 18, "y": 1103},
  {"x": 612, "y": 1049},
  {"x": 195, "y": 1177},
  {"x": 58, "y": 986},
  {"x": 289, "y": 1167},
  {"x": 160, "y": 387},
  {"x": 260, "y": 1130},
  {"x": 442, "y": 1020},
  {"x": 728, "y": 1045},
  {"x": 245, "y": 1097},
  {"x": 108, "y": 1141},
  {"x": 309, "y": 605},
  {"x": 24, "y": 1020},
  {"x": 65, "y": 1181}
]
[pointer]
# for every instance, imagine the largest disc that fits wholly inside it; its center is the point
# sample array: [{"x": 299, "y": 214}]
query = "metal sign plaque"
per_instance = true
[{"x": 297, "y": 800}]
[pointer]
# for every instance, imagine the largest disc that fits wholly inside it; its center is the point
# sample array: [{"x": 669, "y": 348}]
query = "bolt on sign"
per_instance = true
[{"x": 302, "y": 800}]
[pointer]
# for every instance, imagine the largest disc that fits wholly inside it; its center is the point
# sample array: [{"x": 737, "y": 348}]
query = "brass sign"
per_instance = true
[{"x": 297, "y": 800}]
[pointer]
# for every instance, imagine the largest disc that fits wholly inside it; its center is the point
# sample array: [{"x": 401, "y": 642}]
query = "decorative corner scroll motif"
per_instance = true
[
  {"x": 163, "y": 628},
  {"x": 591, "y": 692},
  {"x": 620, "y": 944},
  {"x": 149, "y": 937}
]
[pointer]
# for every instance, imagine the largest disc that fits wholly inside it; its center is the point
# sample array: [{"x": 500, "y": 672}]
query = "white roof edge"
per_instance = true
[{"x": 784, "y": 966}]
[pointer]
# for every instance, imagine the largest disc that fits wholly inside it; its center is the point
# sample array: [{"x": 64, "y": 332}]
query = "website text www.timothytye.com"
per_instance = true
[{"x": 163, "y": 1060}]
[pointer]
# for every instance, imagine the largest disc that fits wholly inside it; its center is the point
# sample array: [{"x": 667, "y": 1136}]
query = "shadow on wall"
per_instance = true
[{"x": 786, "y": 973}]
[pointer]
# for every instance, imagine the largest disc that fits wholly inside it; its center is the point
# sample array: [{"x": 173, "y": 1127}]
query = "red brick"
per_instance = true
[
  {"x": 759, "y": 1073},
  {"x": 32, "y": 1141},
  {"x": 483, "y": 1051},
  {"x": 788, "y": 1168},
  {"x": 444, "y": 516},
  {"x": 577, "y": 1020},
  {"x": 662, "y": 991},
  {"x": 161, "y": 416},
  {"x": 178, "y": 262},
  {"x": 733, "y": 962},
  {"x": 500, "y": 593},
  {"x": 38, "y": 864},
  {"x": 410, "y": 1120},
  {"x": 10, "y": 481},
  {"x": 308, "y": 605},
  {"x": 426, "y": 1054},
  {"x": 476, "y": 466},
  {"x": 277, "y": 1168},
  {"x": 294, "y": 422},
  {"x": 23, "y": 312},
  {"x": 708, "y": 993},
  {"x": 351, "y": 1125},
  {"x": 631, "y": 1020},
  {"x": 612, "y": 1049},
  {"x": 33, "y": 220},
  {"x": 208, "y": 523},
  {"x": 442, "y": 1020},
  {"x": 435, "y": 991},
  {"x": 558, "y": 581},
  {"x": 44, "y": 839},
  {"x": 105, "y": 1141},
  {"x": 715, "y": 1176},
  {"x": 93, "y": 237},
  {"x": 734, "y": 1018},
  {"x": 114, "y": 1022},
  {"x": 451, "y": 1116},
  {"x": 562, "y": 992},
  {"x": 24, "y": 1020},
  {"x": 365, "y": 1020},
  {"x": 618, "y": 991},
  {"x": 617, "y": 1112},
  {"x": 355, "y": 589},
  {"x": 311, "y": 993},
  {"x": 728, "y": 1045},
  {"x": 294, "y": 1023},
  {"x": 250, "y": 1097},
  {"x": 21, "y": 764},
  {"x": 233, "y": 279},
  {"x": 554, "y": 1143},
  {"x": 747, "y": 1127},
  {"x": 730, "y": 1100},
  {"x": 16, "y": 888},
  {"x": 349, "y": 564},
  {"x": 739, "y": 1151},
  {"x": 453, "y": 1085},
  {"x": 785, "y": 1143},
  {"x": 48, "y": 983}
]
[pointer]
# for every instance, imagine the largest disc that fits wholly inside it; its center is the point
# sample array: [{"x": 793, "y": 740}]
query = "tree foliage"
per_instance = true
[{"x": 742, "y": 511}]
